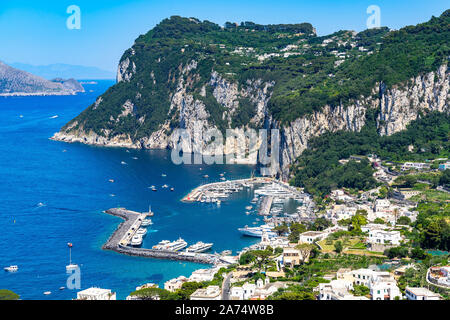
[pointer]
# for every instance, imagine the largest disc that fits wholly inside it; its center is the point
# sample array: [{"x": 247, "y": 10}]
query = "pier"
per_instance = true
[
  {"x": 222, "y": 189},
  {"x": 266, "y": 204},
  {"x": 120, "y": 240}
]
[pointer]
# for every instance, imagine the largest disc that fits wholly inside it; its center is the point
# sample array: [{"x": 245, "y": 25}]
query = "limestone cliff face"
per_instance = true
[
  {"x": 398, "y": 106},
  {"x": 402, "y": 104}
]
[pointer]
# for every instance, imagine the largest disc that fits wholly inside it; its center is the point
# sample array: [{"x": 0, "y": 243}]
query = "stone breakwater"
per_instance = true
[{"x": 114, "y": 243}]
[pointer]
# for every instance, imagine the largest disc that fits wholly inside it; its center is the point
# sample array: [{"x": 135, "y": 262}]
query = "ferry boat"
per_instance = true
[
  {"x": 11, "y": 269},
  {"x": 136, "y": 240},
  {"x": 257, "y": 232},
  {"x": 177, "y": 245},
  {"x": 141, "y": 231},
  {"x": 161, "y": 245},
  {"x": 146, "y": 222},
  {"x": 199, "y": 247}
]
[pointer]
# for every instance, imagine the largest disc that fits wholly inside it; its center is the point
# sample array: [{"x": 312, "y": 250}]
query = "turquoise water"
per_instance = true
[{"x": 49, "y": 198}]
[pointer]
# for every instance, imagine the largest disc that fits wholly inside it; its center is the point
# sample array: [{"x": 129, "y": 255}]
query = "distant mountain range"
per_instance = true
[
  {"x": 15, "y": 82},
  {"x": 65, "y": 71}
]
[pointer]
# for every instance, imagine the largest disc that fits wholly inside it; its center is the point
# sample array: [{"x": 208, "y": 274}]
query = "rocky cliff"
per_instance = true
[
  {"x": 193, "y": 83},
  {"x": 15, "y": 82}
]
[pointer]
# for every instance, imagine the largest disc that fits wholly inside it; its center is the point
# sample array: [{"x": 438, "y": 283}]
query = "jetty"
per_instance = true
[
  {"x": 266, "y": 204},
  {"x": 214, "y": 191},
  {"x": 121, "y": 238}
]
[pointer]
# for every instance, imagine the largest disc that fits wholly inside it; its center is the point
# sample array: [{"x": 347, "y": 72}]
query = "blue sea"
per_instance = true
[{"x": 52, "y": 193}]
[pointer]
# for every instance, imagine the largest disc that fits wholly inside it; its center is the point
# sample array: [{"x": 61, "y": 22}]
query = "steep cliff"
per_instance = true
[{"x": 195, "y": 75}]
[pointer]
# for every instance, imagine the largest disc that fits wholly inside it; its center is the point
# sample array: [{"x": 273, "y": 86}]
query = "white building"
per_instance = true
[
  {"x": 415, "y": 166},
  {"x": 312, "y": 236},
  {"x": 201, "y": 275},
  {"x": 381, "y": 205},
  {"x": 384, "y": 237},
  {"x": 421, "y": 294},
  {"x": 174, "y": 284},
  {"x": 96, "y": 294},
  {"x": 261, "y": 290},
  {"x": 208, "y": 293},
  {"x": 383, "y": 287},
  {"x": 337, "y": 290},
  {"x": 362, "y": 276}
]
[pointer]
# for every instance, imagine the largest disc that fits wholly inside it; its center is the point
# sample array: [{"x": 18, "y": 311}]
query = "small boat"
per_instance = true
[
  {"x": 123, "y": 163},
  {"x": 111, "y": 180},
  {"x": 153, "y": 188},
  {"x": 247, "y": 212},
  {"x": 135, "y": 158},
  {"x": 47, "y": 293},
  {"x": 54, "y": 117},
  {"x": 248, "y": 207},
  {"x": 71, "y": 266},
  {"x": 199, "y": 247},
  {"x": 146, "y": 222},
  {"x": 223, "y": 179},
  {"x": 172, "y": 189},
  {"x": 165, "y": 186},
  {"x": 163, "y": 175},
  {"x": 221, "y": 174},
  {"x": 205, "y": 176},
  {"x": 62, "y": 288},
  {"x": 141, "y": 231},
  {"x": 11, "y": 268},
  {"x": 21, "y": 116},
  {"x": 136, "y": 240}
]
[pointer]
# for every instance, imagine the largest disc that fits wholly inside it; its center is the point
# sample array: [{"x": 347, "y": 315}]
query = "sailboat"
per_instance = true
[{"x": 71, "y": 266}]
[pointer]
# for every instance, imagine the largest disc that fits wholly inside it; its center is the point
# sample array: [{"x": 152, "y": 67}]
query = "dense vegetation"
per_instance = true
[
  {"x": 8, "y": 295},
  {"x": 319, "y": 171},
  {"x": 307, "y": 71}
]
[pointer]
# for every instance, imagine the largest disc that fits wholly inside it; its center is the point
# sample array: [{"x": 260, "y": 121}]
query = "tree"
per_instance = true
[
  {"x": 379, "y": 221},
  {"x": 8, "y": 295},
  {"x": 281, "y": 229},
  {"x": 338, "y": 247},
  {"x": 357, "y": 221},
  {"x": 360, "y": 290},
  {"x": 404, "y": 220},
  {"x": 305, "y": 250},
  {"x": 296, "y": 230},
  {"x": 261, "y": 257}
]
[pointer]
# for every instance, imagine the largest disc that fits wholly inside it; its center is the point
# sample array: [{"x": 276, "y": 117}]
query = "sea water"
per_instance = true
[{"x": 53, "y": 193}]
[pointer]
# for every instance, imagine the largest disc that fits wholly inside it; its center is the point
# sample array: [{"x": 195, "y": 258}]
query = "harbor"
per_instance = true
[{"x": 121, "y": 241}]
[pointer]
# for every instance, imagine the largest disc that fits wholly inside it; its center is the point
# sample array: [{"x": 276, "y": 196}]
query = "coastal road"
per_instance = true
[{"x": 226, "y": 286}]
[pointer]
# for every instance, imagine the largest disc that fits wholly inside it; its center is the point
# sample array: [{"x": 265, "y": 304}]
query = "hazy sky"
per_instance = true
[{"x": 35, "y": 32}]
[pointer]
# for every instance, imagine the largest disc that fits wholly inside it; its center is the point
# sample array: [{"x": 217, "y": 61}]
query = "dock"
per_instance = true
[
  {"x": 120, "y": 240},
  {"x": 266, "y": 205},
  {"x": 222, "y": 189}
]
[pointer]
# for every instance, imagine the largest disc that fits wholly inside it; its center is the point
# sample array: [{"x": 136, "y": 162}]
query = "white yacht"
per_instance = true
[
  {"x": 146, "y": 222},
  {"x": 199, "y": 247},
  {"x": 177, "y": 245},
  {"x": 11, "y": 269},
  {"x": 141, "y": 231},
  {"x": 161, "y": 245},
  {"x": 257, "y": 231},
  {"x": 136, "y": 240}
]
